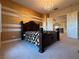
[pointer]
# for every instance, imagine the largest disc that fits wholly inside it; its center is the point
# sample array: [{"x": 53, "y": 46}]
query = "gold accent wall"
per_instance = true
[{"x": 12, "y": 14}]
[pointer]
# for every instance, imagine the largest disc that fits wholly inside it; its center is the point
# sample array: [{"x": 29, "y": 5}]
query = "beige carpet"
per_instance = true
[{"x": 65, "y": 49}]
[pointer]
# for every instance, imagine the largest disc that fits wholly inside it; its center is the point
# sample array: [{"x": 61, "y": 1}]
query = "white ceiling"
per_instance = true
[{"x": 44, "y": 6}]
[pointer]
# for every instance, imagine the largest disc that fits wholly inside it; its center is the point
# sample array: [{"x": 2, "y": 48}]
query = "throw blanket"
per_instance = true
[{"x": 32, "y": 36}]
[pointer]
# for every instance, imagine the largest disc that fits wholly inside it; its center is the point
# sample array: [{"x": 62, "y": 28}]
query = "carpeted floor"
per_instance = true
[{"x": 25, "y": 50}]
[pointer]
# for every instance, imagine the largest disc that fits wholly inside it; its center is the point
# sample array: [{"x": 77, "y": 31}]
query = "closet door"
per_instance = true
[{"x": 0, "y": 25}]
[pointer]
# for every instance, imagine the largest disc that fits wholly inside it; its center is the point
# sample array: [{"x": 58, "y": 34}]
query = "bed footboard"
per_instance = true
[
  {"x": 41, "y": 46},
  {"x": 43, "y": 38}
]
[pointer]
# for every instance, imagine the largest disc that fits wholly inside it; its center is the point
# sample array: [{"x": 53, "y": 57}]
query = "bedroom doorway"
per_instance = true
[{"x": 61, "y": 23}]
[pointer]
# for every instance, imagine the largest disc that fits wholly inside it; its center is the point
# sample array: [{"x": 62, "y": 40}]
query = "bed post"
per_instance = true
[
  {"x": 22, "y": 32},
  {"x": 41, "y": 47},
  {"x": 58, "y": 35}
]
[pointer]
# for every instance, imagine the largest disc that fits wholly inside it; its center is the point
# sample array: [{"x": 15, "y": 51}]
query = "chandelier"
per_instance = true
[{"x": 46, "y": 4}]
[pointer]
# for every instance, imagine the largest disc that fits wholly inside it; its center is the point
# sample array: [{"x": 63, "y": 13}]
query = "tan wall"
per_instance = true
[
  {"x": 12, "y": 14},
  {"x": 10, "y": 35}
]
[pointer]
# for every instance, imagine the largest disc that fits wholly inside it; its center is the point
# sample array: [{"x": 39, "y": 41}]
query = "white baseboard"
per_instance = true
[
  {"x": 8, "y": 41},
  {"x": 73, "y": 38}
]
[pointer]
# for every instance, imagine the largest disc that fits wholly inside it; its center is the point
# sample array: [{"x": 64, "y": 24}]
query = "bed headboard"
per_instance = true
[{"x": 30, "y": 26}]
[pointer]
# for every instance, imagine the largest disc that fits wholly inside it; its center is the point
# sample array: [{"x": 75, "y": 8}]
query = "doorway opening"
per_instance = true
[{"x": 61, "y": 23}]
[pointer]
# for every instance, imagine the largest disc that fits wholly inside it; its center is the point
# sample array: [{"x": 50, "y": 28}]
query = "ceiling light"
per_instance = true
[{"x": 46, "y": 4}]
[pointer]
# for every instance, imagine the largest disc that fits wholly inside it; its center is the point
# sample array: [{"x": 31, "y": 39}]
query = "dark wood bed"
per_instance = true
[{"x": 33, "y": 33}]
